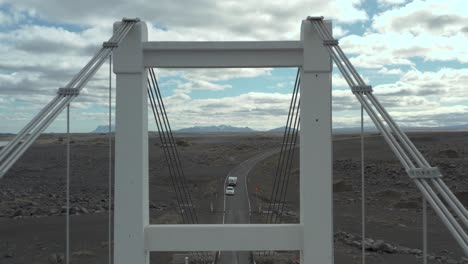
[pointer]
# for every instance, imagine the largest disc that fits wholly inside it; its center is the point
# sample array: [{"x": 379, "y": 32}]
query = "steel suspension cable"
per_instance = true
[
  {"x": 67, "y": 210},
  {"x": 179, "y": 197},
  {"x": 288, "y": 170},
  {"x": 280, "y": 185},
  {"x": 44, "y": 112},
  {"x": 109, "y": 198},
  {"x": 416, "y": 155},
  {"x": 386, "y": 134},
  {"x": 23, "y": 133},
  {"x": 176, "y": 187},
  {"x": 422, "y": 184},
  {"x": 427, "y": 179},
  {"x": 277, "y": 178},
  {"x": 424, "y": 229},
  {"x": 450, "y": 202},
  {"x": 172, "y": 156},
  {"x": 174, "y": 149},
  {"x": 11, "y": 153},
  {"x": 294, "y": 129},
  {"x": 363, "y": 193},
  {"x": 443, "y": 213},
  {"x": 291, "y": 146},
  {"x": 277, "y": 202},
  {"x": 402, "y": 138}
]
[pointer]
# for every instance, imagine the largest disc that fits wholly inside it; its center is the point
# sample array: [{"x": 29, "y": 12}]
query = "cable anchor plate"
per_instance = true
[
  {"x": 330, "y": 42},
  {"x": 68, "y": 91},
  {"x": 362, "y": 89},
  {"x": 424, "y": 173},
  {"x": 110, "y": 44},
  {"x": 314, "y": 18},
  {"x": 126, "y": 19}
]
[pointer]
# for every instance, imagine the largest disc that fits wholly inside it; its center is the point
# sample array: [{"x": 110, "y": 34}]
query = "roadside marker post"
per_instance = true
[{"x": 135, "y": 237}]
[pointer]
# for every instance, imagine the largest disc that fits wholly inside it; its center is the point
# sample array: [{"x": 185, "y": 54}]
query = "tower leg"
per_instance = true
[
  {"x": 316, "y": 199},
  {"x": 131, "y": 150}
]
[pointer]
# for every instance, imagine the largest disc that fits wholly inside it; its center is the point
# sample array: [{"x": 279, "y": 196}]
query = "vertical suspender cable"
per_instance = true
[
  {"x": 400, "y": 144},
  {"x": 166, "y": 144},
  {"x": 109, "y": 198},
  {"x": 67, "y": 224},
  {"x": 290, "y": 149},
  {"x": 287, "y": 131},
  {"x": 171, "y": 154},
  {"x": 174, "y": 149},
  {"x": 162, "y": 138},
  {"x": 424, "y": 206},
  {"x": 284, "y": 165},
  {"x": 363, "y": 194},
  {"x": 288, "y": 170}
]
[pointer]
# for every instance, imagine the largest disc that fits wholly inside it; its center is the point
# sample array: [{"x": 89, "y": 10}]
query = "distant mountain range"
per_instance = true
[
  {"x": 201, "y": 129},
  {"x": 221, "y": 128},
  {"x": 226, "y": 128},
  {"x": 279, "y": 129},
  {"x": 103, "y": 129},
  {"x": 404, "y": 128}
]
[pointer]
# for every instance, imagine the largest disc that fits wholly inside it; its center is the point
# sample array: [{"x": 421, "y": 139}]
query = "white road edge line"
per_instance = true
[
  {"x": 247, "y": 175},
  {"x": 224, "y": 207},
  {"x": 247, "y": 190}
]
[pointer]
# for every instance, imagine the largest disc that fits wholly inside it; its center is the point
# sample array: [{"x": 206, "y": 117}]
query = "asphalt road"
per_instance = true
[{"x": 237, "y": 207}]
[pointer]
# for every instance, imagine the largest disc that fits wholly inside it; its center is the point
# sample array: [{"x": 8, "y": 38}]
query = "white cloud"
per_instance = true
[
  {"x": 36, "y": 60},
  {"x": 418, "y": 98},
  {"x": 431, "y": 30},
  {"x": 5, "y": 19},
  {"x": 339, "y": 31},
  {"x": 446, "y": 82},
  {"x": 445, "y": 18},
  {"x": 207, "y": 20},
  {"x": 43, "y": 40},
  {"x": 281, "y": 84},
  {"x": 428, "y": 95},
  {"x": 242, "y": 110},
  {"x": 432, "y": 98},
  {"x": 207, "y": 79},
  {"x": 375, "y": 50},
  {"x": 232, "y": 15},
  {"x": 9, "y": 18},
  {"x": 390, "y": 2},
  {"x": 223, "y": 74},
  {"x": 202, "y": 85},
  {"x": 338, "y": 81},
  {"x": 387, "y": 71}
]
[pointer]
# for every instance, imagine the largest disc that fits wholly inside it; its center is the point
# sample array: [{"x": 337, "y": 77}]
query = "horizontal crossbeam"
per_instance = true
[
  {"x": 233, "y": 54},
  {"x": 231, "y": 237}
]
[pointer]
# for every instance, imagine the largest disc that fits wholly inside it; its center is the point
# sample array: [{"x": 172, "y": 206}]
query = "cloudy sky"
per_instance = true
[{"x": 412, "y": 52}]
